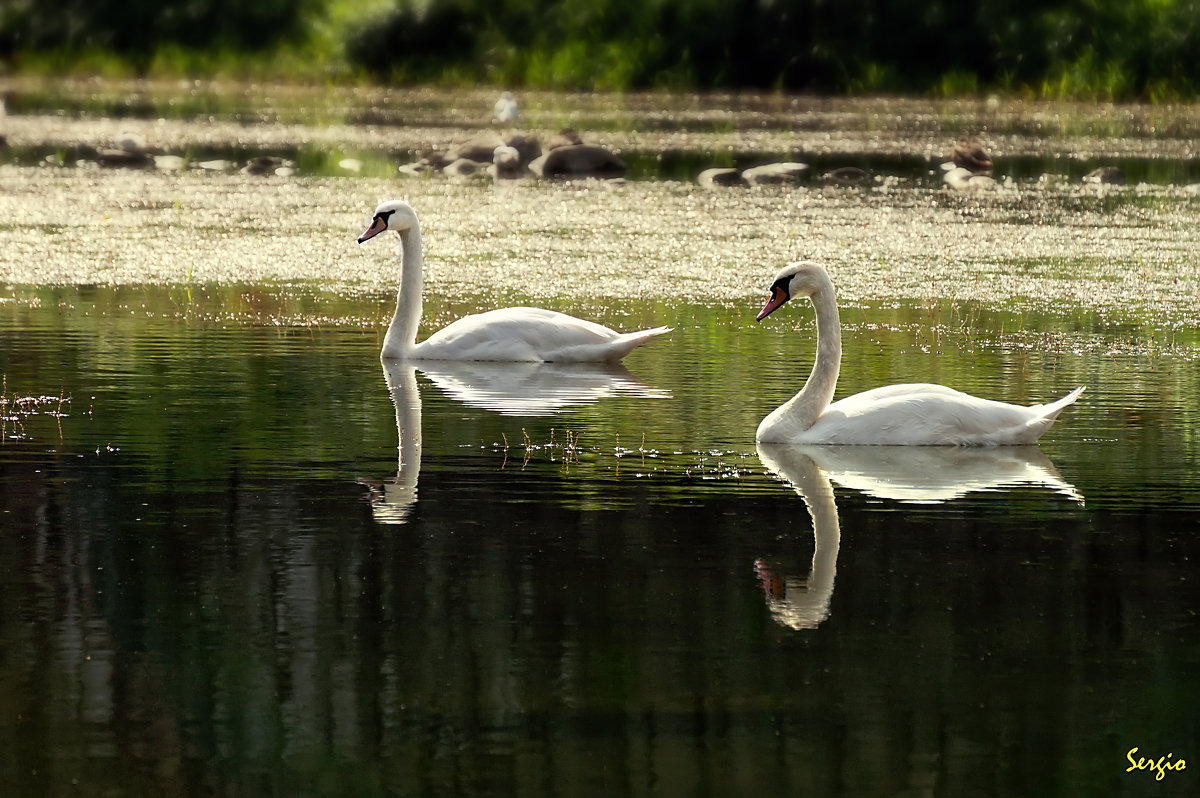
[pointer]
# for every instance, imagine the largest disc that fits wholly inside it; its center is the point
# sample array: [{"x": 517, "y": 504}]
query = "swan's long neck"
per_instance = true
[
  {"x": 402, "y": 332},
  {"x": 808, "y": 405}
]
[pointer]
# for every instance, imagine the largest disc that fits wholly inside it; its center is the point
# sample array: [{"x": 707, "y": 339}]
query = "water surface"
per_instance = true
[
  {"x": 239, "y": 556},
  {"x": 232, "y": 566}
]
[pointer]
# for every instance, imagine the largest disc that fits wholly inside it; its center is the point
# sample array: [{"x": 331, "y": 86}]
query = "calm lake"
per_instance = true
[
  {"x": 222, "y": 578},
  {"x": 240, "y": 556}
]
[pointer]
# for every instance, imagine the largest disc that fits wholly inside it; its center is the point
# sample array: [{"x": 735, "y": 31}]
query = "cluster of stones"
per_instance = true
[
  {"x": 968, "y": 168},
  {"x": 517, "y": 155}
]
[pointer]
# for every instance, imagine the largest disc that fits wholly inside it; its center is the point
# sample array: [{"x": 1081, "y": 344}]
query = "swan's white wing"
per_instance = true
[
  {"x": 529, "y": 334},
  {"x": 930, "y": 415}
]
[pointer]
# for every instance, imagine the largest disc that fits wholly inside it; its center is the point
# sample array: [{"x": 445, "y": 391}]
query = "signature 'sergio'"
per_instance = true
[{"x": 1160, "y": 766}]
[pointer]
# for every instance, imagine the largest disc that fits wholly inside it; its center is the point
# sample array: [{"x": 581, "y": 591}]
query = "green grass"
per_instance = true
[
  {"x": 285, "y": 63},
  {"x": 580, "y": 65}
]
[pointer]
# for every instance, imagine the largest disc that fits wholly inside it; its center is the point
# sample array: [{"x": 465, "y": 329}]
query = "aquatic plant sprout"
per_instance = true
[{"x": 17, "y": 411}]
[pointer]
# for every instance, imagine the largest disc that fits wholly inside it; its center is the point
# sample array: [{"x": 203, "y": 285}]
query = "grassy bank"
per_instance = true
[{"x": 1110, "y": 49}]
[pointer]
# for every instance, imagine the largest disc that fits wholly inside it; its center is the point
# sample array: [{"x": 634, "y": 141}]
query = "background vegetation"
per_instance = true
[{"x": 1111, "y": 48}]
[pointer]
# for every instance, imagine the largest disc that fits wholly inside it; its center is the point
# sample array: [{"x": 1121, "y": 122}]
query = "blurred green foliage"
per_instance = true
[
  {"x": 1090, "y": 48},
  {"x": 138, "y": 29}
]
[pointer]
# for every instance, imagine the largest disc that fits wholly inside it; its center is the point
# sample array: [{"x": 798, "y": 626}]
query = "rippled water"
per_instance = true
[
  {"x": 240, "y": 557},
  {"x": 223, "y": 576}
]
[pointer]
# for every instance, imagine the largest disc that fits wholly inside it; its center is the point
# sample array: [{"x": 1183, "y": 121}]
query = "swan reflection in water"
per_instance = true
[
  {"x": 534, "y": 389},
  {"x": 513, "y": 389},
  {"x": 924, "y": 475},
  {"x": 394, "y": 501}
]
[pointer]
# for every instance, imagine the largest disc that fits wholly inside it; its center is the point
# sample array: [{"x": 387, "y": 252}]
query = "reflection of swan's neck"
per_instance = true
[
  {"x": 817, "y": 492},
  {"x": 401, "y": 495},
  {"x": 804, "y": 604},
  {"x": 408, "y": 428},
  {"x": 807, "y": 406},
  {"x": 402, "y": 332}
]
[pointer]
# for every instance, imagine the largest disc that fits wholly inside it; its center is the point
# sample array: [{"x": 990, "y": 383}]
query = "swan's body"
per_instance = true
[
  {"x": 513, "y": 334},
  {"x": 896, "y": 415}
]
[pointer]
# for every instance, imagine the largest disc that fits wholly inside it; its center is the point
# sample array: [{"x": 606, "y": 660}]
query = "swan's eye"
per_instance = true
[{"x": 384, "y": 216}]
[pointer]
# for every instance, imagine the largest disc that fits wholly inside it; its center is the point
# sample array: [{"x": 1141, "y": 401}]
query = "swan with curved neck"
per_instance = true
[
  {"x": 911, "y": 415},
  {"x": 512, "y": 334}
]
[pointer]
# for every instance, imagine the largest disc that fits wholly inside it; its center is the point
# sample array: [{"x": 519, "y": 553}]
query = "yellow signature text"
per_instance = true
[{"x": 1159, "y": 766}]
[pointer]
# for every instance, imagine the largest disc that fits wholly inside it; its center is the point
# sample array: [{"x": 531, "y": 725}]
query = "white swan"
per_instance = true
[
  {"x": 514, "y": 334},
  {"x": 910, "y": 415}
]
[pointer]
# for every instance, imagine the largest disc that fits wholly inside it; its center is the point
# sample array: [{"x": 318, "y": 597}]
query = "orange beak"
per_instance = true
[
  {"x": 778, "y": 298},
  {"x": 378, "y": 225}
]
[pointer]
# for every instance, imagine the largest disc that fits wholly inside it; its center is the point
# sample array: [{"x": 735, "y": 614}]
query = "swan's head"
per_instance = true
[
  {"x": 396, "y": 215},
  {"x": 796, "y": 279}
]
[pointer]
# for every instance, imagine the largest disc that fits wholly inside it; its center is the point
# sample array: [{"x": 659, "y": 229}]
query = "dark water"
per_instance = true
[{"x": 220, "y": 579}]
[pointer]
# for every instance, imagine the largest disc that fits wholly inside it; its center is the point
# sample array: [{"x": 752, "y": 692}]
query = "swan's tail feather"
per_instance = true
[
  {"x": 631, "y": 341},
  {"x": 1052, "y": 409},
  {"x": 1037, "y": 426},
  {"x": 610, "y": 350}
]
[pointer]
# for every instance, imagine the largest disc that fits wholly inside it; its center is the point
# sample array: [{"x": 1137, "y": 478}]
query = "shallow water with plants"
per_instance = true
[{"x": 242, "y": 556}]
